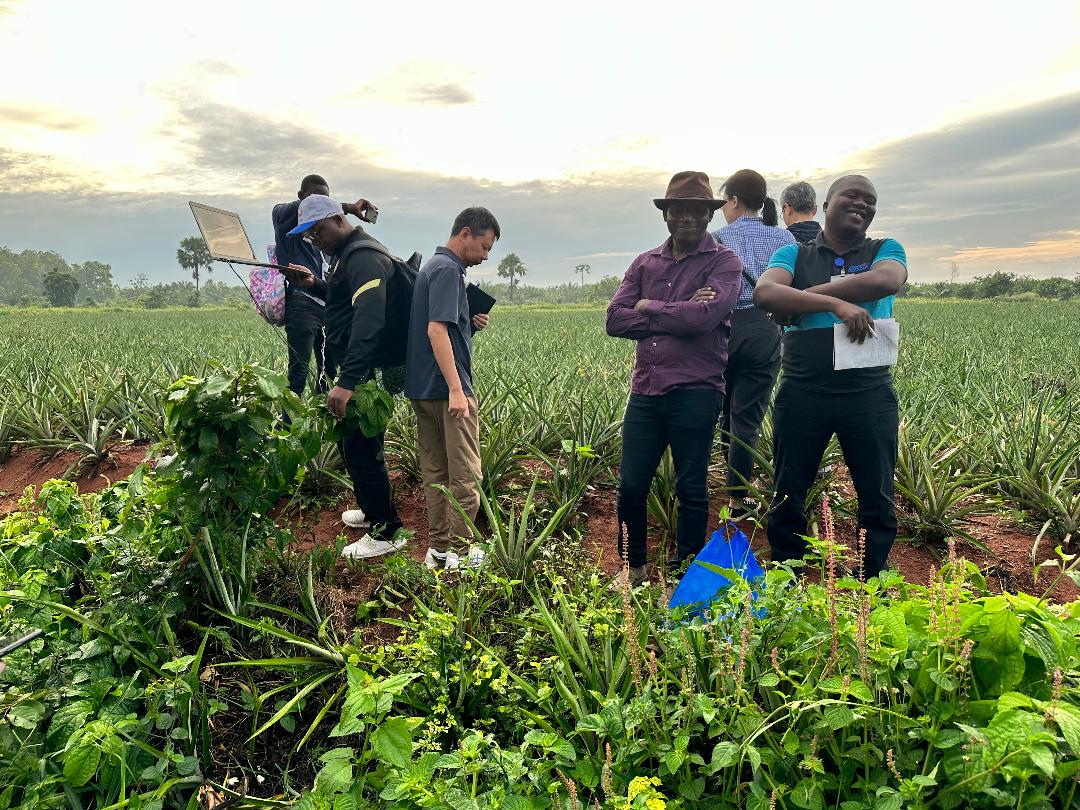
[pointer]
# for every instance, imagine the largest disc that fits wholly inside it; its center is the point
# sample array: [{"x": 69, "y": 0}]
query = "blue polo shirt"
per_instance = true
[
  {"x": 294, "y": 249},
  {"x": 439, "y": 296}
]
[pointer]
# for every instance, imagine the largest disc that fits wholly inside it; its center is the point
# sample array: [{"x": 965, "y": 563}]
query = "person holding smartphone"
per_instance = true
[{"x": 304, "y": 309}]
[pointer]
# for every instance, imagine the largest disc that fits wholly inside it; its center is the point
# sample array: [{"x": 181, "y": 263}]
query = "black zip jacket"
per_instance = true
[{"x": 358, "y": 296}]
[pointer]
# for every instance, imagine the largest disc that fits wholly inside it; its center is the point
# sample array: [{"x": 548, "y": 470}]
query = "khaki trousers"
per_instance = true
[{"x": 449, "y": 455}]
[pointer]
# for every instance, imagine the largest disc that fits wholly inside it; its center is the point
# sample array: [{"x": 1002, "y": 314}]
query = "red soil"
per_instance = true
[
  {"x": 31, "y": 468},
  {"x": 1009, "y": 566}
]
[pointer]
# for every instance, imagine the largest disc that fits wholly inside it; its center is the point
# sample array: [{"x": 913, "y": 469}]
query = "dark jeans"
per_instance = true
[
  {"x": 684, "y": 420},
  {"x": 866, "y": 424},
  {"x": 366, "y": 463},
  {"x": 753, "y": 362},
  {"x": 304, "y": 334}
]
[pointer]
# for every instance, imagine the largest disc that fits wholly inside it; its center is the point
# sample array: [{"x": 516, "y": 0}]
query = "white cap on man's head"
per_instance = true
[{"x": 313, "y": 208}]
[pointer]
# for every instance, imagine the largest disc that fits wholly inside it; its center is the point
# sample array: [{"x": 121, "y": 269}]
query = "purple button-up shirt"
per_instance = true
[{"x": 681, "y": 344}]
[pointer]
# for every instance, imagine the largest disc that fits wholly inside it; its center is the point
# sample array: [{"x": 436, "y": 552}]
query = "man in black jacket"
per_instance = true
[{"x": 361, "y": 291}]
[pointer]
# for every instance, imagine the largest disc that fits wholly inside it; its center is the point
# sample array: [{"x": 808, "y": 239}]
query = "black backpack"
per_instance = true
[{"x": 395, "y": 338}]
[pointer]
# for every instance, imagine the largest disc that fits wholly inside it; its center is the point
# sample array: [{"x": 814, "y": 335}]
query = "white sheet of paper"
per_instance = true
[{"x": 879, "y": 350}]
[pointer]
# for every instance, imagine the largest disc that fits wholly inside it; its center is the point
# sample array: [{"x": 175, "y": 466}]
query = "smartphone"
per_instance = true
[{"x": 370, "y": 214}]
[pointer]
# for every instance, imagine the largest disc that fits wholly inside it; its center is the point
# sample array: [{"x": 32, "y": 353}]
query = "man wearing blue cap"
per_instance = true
[
  {"x": 365, "y": 298},
  {"x": 304, "y": 309}
]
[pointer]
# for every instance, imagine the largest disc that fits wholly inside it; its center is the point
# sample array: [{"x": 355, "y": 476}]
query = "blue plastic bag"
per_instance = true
[{"x": 699, "y": 585}]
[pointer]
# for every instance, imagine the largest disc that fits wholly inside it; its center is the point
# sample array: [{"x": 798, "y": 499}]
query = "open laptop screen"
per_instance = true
[{"x": 224, "y": 233}]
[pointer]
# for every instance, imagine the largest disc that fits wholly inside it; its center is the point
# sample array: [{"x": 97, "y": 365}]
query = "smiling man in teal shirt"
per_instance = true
[{"x": 840, "y": 277}]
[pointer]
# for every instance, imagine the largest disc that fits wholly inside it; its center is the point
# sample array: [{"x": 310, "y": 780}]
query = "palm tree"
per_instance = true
[
  {"x": 512, "y": 268},
  {"x": 581, "y": 270},
  {"x": 193, "y": 255}
]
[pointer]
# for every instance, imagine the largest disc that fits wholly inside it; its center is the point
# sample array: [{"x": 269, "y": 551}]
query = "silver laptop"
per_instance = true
[{"x": 225, "y": 236}]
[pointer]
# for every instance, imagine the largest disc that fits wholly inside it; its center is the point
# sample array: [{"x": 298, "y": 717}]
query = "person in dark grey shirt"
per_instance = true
[
  {"x": 798, "y": 207},
  {"x": 439, "y": 382}
]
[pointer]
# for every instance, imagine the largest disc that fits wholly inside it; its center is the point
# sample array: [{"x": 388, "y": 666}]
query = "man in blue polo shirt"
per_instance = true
[
  {"x": 840, "y": 277},
  {"x": 439, "y": 382},
  {"x": 304, "y": 309}
]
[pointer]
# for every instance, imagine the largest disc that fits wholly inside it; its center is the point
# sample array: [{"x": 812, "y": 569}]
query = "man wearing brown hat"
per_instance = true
[{"x": 677, "y": 389}]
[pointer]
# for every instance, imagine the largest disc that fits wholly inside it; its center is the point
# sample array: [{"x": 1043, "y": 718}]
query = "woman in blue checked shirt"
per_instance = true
[{"x": 754, "y": 354}]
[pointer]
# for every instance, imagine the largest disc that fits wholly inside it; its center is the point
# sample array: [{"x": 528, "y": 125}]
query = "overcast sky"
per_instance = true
[{"x": 564, "y": 118}]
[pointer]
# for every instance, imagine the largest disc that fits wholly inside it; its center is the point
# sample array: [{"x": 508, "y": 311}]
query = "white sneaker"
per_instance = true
[
  {"x": 442, "y": 560},
  {"x": 368, "y": 546},
  {"x": 436, "y": 560},
  {"x": 476, "y": 556},
  {"x": 354, "y": 519}
]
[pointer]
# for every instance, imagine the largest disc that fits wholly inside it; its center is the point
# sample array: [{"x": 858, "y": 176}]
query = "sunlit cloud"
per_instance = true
[
  {"x": 43, "y": 118},
  {"x": 1062, "y": 248},
  {"x": 421, "y": 82}
]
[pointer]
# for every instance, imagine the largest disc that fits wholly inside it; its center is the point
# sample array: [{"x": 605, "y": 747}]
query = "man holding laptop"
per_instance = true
[
  {"x": 840, "y": 278},
  {"x": 303, "y": 308}
]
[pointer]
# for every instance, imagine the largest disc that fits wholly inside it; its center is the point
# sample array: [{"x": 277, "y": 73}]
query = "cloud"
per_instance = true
[
  {"x": 979, "y": 191},
  {"x": 238, "y": 148},
  {"x": 42, "y": 117},
  {"x": 988, "y": 194},
  {"x": 447, "y": 93},
  {"x": 604, "y": 254},
  {"x": 422, "y": 82},
  {"x": 22, "y": 171},
  {"x": 1063, "y": 248}
]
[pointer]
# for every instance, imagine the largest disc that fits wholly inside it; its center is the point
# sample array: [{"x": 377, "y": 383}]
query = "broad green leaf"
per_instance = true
[
  {"x": 27, "y": 715},
  {"x": 1043, "y": 758},
  {"x": 336, "y": 776},
  {"x": 839, "y": 717},
  {"x": 672, "y": 761},
  {"x": 1000, "y": 656},
  {"x": 1067, "y": 718},
  {"x": 80, "y": 764},
  {"x": 692, "y": 791},
  {"x": 724, "y": 755},
  {"x": 890, "y": 620},
  {"x": 208, "y": 441},
  {"x": 392, "y": 742},
  {"x": 942, "y": 679},
  {"x": 755, "y": 758},
  {"x": 1009, "y": 729},
  {"x": 768, "y": 680},
  {"x": 807, "y": 795},
  {"x": 890, "y": 801}
]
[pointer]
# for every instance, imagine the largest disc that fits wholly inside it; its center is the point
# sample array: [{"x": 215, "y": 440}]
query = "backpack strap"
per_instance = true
[{"x": 370, "y": 244}]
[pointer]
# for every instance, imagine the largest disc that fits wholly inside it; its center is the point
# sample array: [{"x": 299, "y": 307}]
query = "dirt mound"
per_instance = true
[{"x": 31, "y": 468}]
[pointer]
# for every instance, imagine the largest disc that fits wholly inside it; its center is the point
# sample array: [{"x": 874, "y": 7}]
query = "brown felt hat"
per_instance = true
[{"x": 692, "y": 187}]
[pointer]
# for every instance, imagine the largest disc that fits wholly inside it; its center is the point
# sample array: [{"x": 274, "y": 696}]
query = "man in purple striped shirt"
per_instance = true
[{"x": 677, "y": 389}]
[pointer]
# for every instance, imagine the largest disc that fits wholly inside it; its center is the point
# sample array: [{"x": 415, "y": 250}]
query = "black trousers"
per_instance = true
[
  {"x": 366, "y": 464},
  {"x": 365, "y": 461},
  {"x": 304, "y": 334},
  {"x": 753, "y": 363},
  {"x": 684, "y": 420},
  {"x": 866, "y": 424}
]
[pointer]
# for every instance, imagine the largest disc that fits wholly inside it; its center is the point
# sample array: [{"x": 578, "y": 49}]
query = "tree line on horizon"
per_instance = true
[{"x": 44, "y": 278}]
